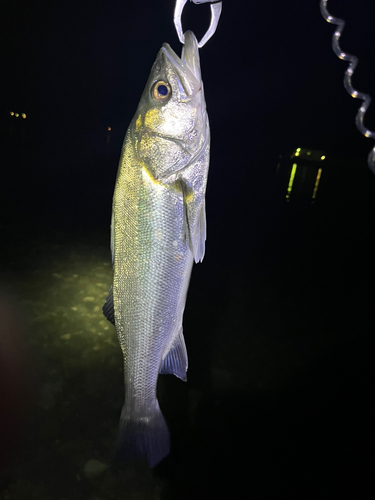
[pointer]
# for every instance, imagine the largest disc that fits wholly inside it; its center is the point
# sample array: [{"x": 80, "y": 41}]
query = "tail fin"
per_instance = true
[{"x": 143, "y": 436}]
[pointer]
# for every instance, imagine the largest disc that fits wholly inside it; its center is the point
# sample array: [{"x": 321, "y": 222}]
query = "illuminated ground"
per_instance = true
[{"x": 75, "y": 372}]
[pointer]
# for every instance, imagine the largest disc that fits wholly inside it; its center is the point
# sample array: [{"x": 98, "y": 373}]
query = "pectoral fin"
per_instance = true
[
  {"x": 194, "y": 224},
  {"x": 175, "y": 361},
  {"x": 200, "y": 234}
]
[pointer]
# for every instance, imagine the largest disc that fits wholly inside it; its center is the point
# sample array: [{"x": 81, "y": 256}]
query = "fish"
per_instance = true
[{"x": 158, "y": 230}]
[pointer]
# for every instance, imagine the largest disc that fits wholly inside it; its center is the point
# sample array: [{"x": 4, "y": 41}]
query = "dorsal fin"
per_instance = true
[{"x": 108, "y": 307}]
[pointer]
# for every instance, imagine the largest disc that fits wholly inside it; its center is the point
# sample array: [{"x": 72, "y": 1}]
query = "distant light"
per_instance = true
[
  {"x": 322, "y": 157},
  {"x": 291, "y": 180},
  {"x": 317, "y": 183},
  {"x": 308, "y": 153},
  {"x": 16, "y": 115},
  {"x": 11, "y": 113},
  {"x": 23, "y": 115},
  {"x": 109, "y": 129}
]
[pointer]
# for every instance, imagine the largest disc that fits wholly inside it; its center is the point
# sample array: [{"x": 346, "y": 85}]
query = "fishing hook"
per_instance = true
[
  {"x": 353, "y": 61},
  {"x": 216, "y": 7}
]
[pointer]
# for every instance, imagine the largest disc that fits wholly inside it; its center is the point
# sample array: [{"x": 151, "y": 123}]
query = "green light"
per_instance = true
[
  {"x": 16, "y": 115},
  {"x": 319, "y": 174},
  {"x": 291, "y": 180}
]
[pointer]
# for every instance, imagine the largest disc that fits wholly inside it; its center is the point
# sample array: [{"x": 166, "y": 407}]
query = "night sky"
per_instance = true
[{"x": 272, "y": 84}]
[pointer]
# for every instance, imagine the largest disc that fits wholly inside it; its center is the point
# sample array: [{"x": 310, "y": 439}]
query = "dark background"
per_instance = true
[
  {"x": 279, "y": 323},
  {"x": 272, "y": 80}
]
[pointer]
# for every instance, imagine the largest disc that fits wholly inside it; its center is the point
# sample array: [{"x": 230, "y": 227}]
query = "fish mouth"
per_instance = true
[{"x": 187, "y": 66}]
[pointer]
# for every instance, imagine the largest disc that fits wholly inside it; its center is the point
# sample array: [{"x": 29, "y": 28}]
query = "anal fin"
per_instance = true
[{"x": 175, "y": 362}]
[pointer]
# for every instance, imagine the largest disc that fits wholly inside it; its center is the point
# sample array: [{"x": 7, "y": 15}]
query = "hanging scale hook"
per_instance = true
[{"x": 216, "y": 7}]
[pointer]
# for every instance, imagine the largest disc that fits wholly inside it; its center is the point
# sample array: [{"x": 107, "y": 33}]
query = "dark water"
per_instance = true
[{"x": 279, "y": 327}]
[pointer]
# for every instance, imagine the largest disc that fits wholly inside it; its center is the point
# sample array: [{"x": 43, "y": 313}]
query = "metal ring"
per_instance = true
[{"x": 215, "y": 16}]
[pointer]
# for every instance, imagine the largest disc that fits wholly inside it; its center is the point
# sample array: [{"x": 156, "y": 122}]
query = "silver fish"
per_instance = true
[{"x": 158, "y": 229}]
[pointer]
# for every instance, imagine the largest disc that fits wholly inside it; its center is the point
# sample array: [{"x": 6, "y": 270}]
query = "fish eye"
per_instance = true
[{"x": 161, "y": 91}]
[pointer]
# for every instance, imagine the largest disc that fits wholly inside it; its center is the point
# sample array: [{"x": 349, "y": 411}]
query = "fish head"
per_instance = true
[{"x": 171, "y": 122}]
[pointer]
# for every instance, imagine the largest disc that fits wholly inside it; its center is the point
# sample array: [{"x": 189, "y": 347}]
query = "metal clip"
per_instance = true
[{"x": 215, "y": 16}]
